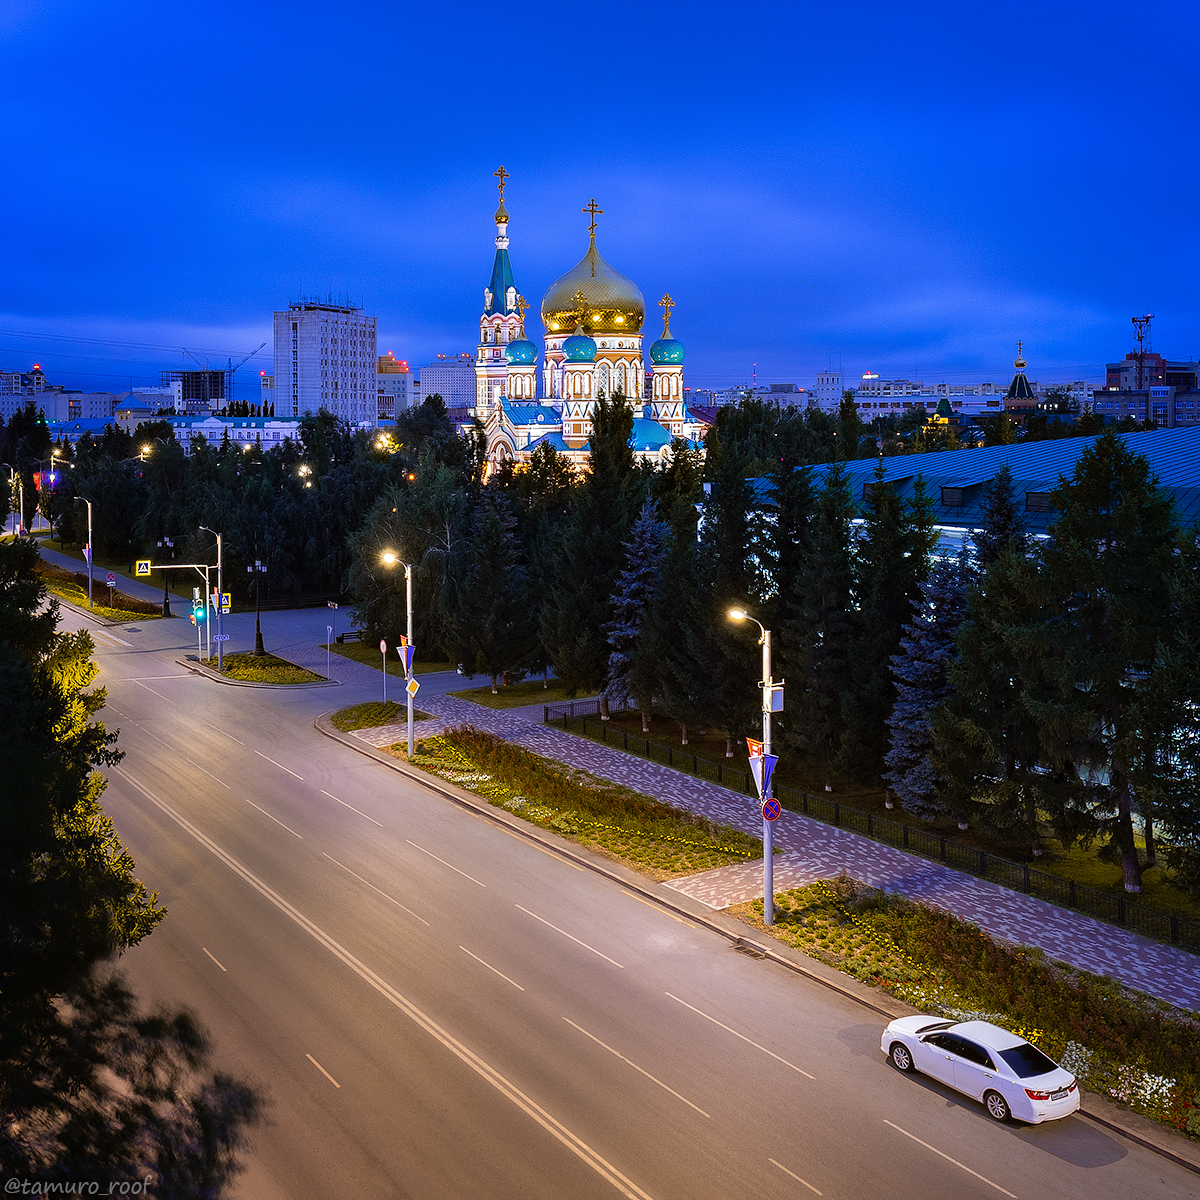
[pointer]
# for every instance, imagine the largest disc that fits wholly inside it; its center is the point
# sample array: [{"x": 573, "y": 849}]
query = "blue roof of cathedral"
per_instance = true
[
  {"x": 521, "y": 352},
  {"x": 502, "y": 280},
  {"x": 555, "y": 440},
  {"x": 648, "y": 435},
  {"x": 579, "y": 348},
  {"x": 531, "y": 414},
  {"x": 667, "y": 351}
]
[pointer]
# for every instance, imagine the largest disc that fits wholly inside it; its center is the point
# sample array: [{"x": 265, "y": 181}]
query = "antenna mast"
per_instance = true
[{"x": 1141, "y": 327}]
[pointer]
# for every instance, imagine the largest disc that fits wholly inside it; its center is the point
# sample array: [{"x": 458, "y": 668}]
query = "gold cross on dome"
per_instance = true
[
  {"x": 501, "y": 175},
  {"x": 522, "y": 305},
  {"x": 666, "y": 304},
  {"x": 1020, "y": 347},
  {"x": 581, "y": 304},
  {"x": 592, "y": 208}
]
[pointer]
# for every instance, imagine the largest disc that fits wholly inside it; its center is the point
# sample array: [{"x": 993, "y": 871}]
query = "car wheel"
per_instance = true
[
  {"x": 900, "y": 1056},
  {"x": 997, "y": 1106}
]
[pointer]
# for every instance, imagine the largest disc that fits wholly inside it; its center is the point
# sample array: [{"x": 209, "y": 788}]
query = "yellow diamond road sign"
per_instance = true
[
  {"x": 142, "y": 567},
  {"x": 413, "y": 687}
]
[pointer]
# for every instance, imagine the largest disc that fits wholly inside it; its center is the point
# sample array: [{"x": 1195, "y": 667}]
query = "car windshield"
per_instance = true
[{"x": 1028, "y": 1061}]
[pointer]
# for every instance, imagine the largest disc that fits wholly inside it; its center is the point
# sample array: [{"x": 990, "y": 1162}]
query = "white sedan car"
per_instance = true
[{"x": 1010, "y": 1077}]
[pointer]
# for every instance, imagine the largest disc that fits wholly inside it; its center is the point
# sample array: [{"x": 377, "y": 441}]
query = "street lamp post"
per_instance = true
[
  {"x": 166, "y": 605},
  {"x": 91, "y": 553},
  {"x": 220, "y": 593},
  {"x": 769, "y": 692},
  {"x": 17, "y": 484},
  {"x": 390, "y": 558}
]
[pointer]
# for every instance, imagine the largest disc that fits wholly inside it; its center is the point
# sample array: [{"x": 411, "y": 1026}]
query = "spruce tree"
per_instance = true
[
  {"x": 891, "y": 561},
  {"x": 634, "y": 670},
  {"x": 1103, "y": 588},
  {"x": 494, "y": 625},
  {"x": 822, "y": 630},
  {"x": 921, "y": 667},
  {"x": 579, "y": 605},
  {"x": 1003, "y": 525}
]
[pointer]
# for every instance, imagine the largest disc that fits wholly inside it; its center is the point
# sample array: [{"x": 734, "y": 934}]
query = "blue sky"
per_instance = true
[{"x": 906, "y": 188}]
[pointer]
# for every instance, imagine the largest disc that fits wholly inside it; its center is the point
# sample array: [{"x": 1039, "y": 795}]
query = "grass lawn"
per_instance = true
[
  {"x": 368, "y": 654},
  {"x": 373, "y": 714},
  {"x": 179, "y": 584},
  {"x": 515, "y": 695},
  {"x": 250, "y": 668},
  {"x": 64, "y": 585},
  {"x": 657, "y": 839}
]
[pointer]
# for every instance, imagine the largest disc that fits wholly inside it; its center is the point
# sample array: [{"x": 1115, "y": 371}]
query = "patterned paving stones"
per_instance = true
[{"x": 815, "y": 851}]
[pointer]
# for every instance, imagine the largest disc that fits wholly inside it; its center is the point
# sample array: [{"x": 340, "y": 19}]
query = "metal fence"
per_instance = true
[{"x": 1113, "y": 907}]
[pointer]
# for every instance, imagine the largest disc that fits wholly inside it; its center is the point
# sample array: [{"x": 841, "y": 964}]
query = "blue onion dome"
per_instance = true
[
  {"x": 667, "y": 352},
  {"x": 521, "y": 353},
  {"x": 579, "y": 348}
]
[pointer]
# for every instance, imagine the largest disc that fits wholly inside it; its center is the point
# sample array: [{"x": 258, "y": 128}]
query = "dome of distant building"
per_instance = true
[
  {"x": 667, "y": 352},
  {"x": 521, "y": 353},
  {"x": 614, "y": 304},
  {"x": 579, "y": 348}
]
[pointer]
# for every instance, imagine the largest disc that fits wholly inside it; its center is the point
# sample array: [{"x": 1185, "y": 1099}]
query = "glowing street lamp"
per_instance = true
[
  {"x": 772, "y": 701},
  {"x": 390, "y": 558}
]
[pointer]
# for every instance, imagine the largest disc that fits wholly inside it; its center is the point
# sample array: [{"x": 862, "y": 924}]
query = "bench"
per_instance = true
[{"x": 351, "y": 635}]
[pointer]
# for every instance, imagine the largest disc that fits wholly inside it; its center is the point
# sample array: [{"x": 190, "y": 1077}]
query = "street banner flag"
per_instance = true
[
  {"x": 762, "y": 767},
  {"x": 754, "y": 748},
  {"x": 406, "y": 653},
  {"x": 87, "y": 553}
]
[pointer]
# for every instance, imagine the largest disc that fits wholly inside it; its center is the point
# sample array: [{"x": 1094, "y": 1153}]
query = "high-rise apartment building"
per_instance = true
[
  {"x": 453, "y": 378},
  {"x": 325, "y": 358}
]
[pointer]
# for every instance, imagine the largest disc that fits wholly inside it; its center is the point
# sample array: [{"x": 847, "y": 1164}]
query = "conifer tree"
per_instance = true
[
  {"x": 579, "y": 605},
  {"x": 1103, "y": 590},
  {"x": 822, "y": 631},
  {"x": 891, "y": 561},
  {"x": 634, "y": 671},
  {"x": 926, "y": 649},
  {"x": 1003, "y": 526},
  {"x": 494, "y": 625}
]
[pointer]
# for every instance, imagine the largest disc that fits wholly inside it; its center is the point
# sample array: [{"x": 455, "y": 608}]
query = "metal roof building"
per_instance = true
[{"x": 955, "y": 480}]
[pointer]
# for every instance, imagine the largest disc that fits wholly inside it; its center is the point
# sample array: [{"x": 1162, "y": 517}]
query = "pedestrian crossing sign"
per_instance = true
[{"x": 141, "y": 568}]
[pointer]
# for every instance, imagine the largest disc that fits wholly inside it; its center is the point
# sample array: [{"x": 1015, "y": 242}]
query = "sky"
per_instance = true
[{"x": 906, "y": 188}]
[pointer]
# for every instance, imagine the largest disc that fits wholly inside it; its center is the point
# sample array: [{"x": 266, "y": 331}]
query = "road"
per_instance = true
[{"x": 441, "y": 1008}]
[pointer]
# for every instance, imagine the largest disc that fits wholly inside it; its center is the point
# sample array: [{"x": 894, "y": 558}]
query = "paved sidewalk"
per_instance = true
[{"x": 815, "y": 851}]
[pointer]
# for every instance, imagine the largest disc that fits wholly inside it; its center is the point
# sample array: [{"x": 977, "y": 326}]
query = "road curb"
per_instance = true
[
  {"x": 1115, "y": 1120},
  {"x": 198, "y": 668}
]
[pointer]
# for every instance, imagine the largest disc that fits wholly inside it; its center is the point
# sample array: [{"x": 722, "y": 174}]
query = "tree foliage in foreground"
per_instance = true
[{"x": 87, "y": 1083}]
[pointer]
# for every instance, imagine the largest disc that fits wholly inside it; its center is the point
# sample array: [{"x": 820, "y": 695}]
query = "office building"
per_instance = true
[
  {"x": 325, "y": 358},
  {"x": 453, "y": 378},
  {"x": 394, "y": 386}
]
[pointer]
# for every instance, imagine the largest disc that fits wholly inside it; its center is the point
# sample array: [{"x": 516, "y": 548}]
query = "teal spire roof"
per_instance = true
[
  {"x": 666, "y": 352},
  {"x": 501, "y": 281},
  {"x": 521, "y": 352},
  {"x": 579, "y": 348}
]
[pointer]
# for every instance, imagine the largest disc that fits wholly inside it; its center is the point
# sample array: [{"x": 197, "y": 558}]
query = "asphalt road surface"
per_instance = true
[{"x": 440, "y": 1008}]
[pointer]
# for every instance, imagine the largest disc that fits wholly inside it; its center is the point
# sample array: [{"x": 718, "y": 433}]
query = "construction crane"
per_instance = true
[
  {"x": 1141, "y": 327},
  {"x": 231, "y": 367}
]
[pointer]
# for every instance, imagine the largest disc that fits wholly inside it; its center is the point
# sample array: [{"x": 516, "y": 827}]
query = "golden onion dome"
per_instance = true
[{"x": 610, "y": 302}]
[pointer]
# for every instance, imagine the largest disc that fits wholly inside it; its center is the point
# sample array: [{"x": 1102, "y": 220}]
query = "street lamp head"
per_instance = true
[
  {"x": 389, "y": 558},
  {"x": 738, "y": 614}
]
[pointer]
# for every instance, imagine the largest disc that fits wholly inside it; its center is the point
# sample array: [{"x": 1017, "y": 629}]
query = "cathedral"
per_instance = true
[{"x": 592, "y": 317}]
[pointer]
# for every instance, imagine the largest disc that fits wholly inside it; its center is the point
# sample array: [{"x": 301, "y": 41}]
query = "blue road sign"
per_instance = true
[{"x": 771, "y": 810}]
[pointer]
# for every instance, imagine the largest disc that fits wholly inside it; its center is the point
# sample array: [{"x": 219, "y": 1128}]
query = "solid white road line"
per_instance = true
[
  {"x": 275, "y": 819},
  {"x": 350, "y": 807},
  {"x": 795, "y": 1176},
  {"x": 445, "y": 863},
  {"x": 947, "y": 1157},
  {"x": 634, "y": 1065},
  {"x": 375, "y": 889},
  {"x": 278, "y": 764},
  {"x": 224, "y": 731},
  {"x": 571, "y": 936},
  {"x": 491, "y": 968},
  {"x": 510, "y": 1091},
  {"x": 210, "y": 955},
  {"x": 742, "y": 1036},
  {"x": 323, "y": 1071},
  {"x": 152, "y": 691},
  {"x": 208, "y": 773}
]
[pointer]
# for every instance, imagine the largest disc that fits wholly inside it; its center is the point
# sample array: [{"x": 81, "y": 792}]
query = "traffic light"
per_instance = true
[{"x": 199, "y": 609}]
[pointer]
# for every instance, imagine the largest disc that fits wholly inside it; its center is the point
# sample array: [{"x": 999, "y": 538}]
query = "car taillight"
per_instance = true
[
  {"x": 1037, "y": 1095},
  {"x": 1072, "y": 1087}
]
